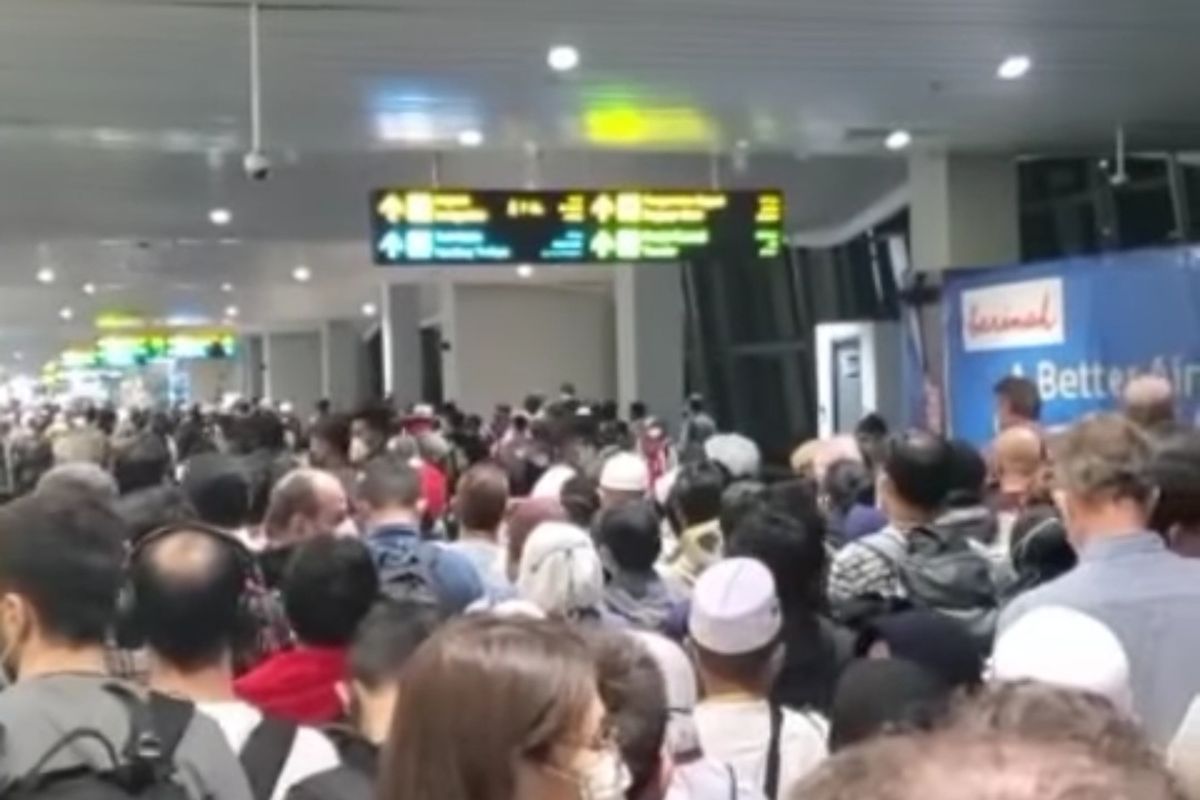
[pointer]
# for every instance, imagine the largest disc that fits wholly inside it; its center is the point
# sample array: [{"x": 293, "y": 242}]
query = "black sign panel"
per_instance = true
[{"x": 571, "y": 226}]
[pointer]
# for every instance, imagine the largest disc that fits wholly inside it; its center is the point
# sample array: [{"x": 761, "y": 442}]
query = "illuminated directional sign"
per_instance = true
[{"x": 571, "y": 226}]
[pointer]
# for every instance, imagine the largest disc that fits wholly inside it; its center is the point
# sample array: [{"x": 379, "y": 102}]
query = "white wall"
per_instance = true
[
  {"x": 210, "y": 378},
  {"x": 509, "y": 340},
  {"x": 293, "y": 361}
]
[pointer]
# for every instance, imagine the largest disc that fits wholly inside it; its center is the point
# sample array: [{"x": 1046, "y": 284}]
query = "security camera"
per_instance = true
[{"x": 257, "y": 166}]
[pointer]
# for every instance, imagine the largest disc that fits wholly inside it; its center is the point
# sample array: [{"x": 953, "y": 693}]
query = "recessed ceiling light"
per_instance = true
[
  {"x": 1014, "y": 67},
  {"x": 231, "y": 311},
  {"x": 898, "y": 140},
  {"x": 18, "y": 355},
  {"x": 562, "y": 58},
  {"x": 369, "y": 309},
  {"x": 66, "y": 312},
  {"x": 220, "y": 216},
  {"x": 302, "y": 274},
  {"x": 89, "y": 288},
  {"x": 226, "y": 287},
  {"x": 45, "y": 275},
  {"x": 525, "y": 271},
  {"x": 742, "y": 144},
  {"x": 470, "y": 138}
]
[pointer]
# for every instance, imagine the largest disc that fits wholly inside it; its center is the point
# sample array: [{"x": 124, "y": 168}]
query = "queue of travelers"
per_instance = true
[{"x": 568, "y": 603}]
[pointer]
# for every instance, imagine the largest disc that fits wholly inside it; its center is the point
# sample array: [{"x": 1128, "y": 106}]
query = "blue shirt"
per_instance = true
[
  {"x": 1150, "y": 598},
  {"x": 457, "y": 582}
]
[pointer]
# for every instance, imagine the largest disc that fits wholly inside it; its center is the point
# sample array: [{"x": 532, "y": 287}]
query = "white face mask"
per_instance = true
[
  {"x": 346, "y": 529},
  {"x": 606, "y": 778},
  {"x": 358, "y": 450}
]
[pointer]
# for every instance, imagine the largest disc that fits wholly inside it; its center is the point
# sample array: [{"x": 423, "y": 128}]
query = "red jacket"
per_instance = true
[
  {"x": 434, "y": 489},
  {"x": 298, "y": 685}
]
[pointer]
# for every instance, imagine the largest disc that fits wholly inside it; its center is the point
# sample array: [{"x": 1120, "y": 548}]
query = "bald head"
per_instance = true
[
  {"x": 187, "y": 586},
  {"x": 1149, "y": 401},
  {"x": 305, "y": 503},
  {"x": 1018, "y": 458}
]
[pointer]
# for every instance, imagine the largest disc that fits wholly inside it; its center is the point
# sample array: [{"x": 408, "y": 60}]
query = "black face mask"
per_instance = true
[{"x": 273, "y": 562}]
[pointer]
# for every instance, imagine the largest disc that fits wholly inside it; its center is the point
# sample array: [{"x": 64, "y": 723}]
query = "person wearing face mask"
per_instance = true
[
  {"x": 61, "y": 564},
  {"x": 329, "y": 585},
  {"x": 501, "y": 709},
  {"x": 735, "y": 626},
  {"x": 635, "y": 674},
  {"x": 387, "y": 638}
]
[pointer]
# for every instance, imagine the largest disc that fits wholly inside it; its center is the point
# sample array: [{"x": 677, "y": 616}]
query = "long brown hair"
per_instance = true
[{"x": 481, "y": 694}]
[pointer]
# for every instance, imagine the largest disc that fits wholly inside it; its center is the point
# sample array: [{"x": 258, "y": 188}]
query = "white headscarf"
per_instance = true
[
  {"x": 1067, "y": 648},
  {"x": 560, "y": 571},
  {"x": 682, "y": 687}
]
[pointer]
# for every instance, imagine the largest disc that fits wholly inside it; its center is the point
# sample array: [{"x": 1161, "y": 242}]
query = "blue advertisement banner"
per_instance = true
[{"x": 1078, "y": 328}]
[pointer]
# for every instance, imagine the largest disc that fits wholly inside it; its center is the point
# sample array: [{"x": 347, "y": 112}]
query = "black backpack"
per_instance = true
[
  {"x": 143, "y": 769},
  {"x": 265, "y": 753},
  {"x": 943, "y": 572}
]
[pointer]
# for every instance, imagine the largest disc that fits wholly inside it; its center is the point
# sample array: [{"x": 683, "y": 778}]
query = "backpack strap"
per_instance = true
[
  {"x": 265, "y": 753},
  {"x": 170, "y": 717},
  {"x": 771, "y": 783}
]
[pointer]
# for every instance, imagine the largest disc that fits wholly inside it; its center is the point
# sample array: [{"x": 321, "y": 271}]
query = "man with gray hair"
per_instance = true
[
  {"x": 1126, "y": 577},
  {"x": 1149, "y": 401},
  {"x": 80, "y": 477}
]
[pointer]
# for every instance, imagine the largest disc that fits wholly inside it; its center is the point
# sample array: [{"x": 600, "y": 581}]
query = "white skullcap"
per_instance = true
[
  {"x": 735, "y": 608},
  {"x": 1067, "y": 648},
  {"x": 625, "y": 472},
  {"x": 736, "y": 453},
  {"x": 549, "y": 486},
  {"x": 560, "y": 571}
]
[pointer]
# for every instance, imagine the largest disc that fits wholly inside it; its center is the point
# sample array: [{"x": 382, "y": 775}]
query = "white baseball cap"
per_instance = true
[
  {"x": 738, "y": 454},
  {"x": 1066, "y": 648},
  {"x": 625, "y": 472},
  {"x": 735, "y": 608}
]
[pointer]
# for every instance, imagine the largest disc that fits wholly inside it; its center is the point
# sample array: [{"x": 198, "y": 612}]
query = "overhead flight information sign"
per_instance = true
[{"x": 571, "y": 226}]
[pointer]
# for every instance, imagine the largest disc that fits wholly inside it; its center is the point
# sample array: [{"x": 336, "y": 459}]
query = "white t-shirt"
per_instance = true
[
  {"x": 311, "y": 752},
  {"x": 738, "y": 732}
]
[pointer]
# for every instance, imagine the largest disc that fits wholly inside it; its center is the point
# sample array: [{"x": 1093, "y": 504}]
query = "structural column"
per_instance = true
[
  {"x": 650, "y": 337},
  {"x": 253, "y": 366},
  {"x": 964, "y": 214},
  {"x": 293, "y": 367},
  {"x": 400, "y": 315},
  {"x": 343, "y": 364}
]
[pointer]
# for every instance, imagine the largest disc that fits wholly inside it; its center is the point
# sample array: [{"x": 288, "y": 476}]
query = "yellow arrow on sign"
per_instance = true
[
  {"x": 603, "y": 245},
  {"x": 392, "y": 208},
  {"x": 603, "y": 208}
]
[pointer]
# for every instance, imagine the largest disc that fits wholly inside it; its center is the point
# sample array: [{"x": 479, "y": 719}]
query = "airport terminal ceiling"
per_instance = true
[{"x": 123, "y": 123}]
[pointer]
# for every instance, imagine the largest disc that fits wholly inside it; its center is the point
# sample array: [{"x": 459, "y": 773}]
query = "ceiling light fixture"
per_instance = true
[
  {"x": 226, "y": 287},
  {"x": 66, "y": 313},
  {"x": 562, "y": 58},
  {"x": 220, "y": 216},
  {"x": 231, "y": 311},
  {"x": 525, "y": 271},
  {"x": 898, "y": 140},
  {"x": 369, "y": 309},
  {"x": 45, "y": 275},
  {"x": 1014, "y": 68},
  {"x": 470, "y": 138},
  {"x": 89, "y": 288},
  {"x": 302, "y": 274}
]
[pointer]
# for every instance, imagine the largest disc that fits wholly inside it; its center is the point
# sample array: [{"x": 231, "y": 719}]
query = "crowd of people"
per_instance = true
[{"x": 565, "y": 602}]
